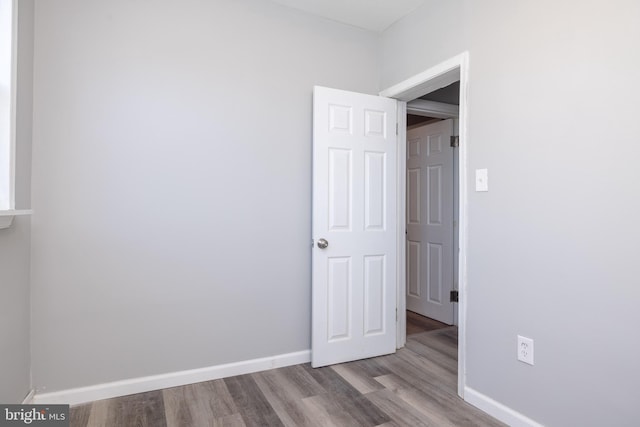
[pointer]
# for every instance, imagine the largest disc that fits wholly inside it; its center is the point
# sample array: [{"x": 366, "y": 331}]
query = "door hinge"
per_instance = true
[
  {"x": 455, "y": 141},
  {"x": 396, "y": 128},
  {"x": 453, "y": 296},
  {"x": 396, "y": 314}
]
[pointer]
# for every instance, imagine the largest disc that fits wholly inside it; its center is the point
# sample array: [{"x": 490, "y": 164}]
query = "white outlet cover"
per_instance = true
[
  {"x": 525, "y": 350},
  {"x": 482, "y": 180}
]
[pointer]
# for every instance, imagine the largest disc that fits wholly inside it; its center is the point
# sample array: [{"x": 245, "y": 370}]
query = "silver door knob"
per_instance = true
[{"x": 322, "y": 243}]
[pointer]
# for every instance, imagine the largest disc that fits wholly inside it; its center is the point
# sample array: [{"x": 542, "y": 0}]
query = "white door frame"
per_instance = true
[{"x": 441, "y": 75}]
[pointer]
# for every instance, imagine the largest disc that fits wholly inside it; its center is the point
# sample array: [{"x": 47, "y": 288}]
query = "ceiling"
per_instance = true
[
  {"x": 448, "y": 94},
  {"x": 373, "y": 15}
]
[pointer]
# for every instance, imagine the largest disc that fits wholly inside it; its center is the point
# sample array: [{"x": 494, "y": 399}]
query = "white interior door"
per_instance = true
[
  {"x": 430, "y": 215},
  {"x": 354, "y": 213}
]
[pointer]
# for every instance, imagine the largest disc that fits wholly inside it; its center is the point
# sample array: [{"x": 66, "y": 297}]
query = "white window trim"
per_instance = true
[{"x": 7, "y": 215}]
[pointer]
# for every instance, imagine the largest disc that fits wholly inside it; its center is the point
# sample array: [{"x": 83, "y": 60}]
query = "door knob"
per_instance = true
[{"x": 322, "y": 243}]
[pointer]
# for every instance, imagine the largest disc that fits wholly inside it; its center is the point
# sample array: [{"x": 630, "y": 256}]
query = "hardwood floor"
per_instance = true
[
  {"x": 416, "y": 386},
  {"x": 417, "y": 323}
]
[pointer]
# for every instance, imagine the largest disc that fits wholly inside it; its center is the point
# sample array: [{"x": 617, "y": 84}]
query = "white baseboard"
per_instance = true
[
  {"x": 497, "y": 409},
  {"x": 28, "y": 399},
  {"x": 81, "y": 395}
]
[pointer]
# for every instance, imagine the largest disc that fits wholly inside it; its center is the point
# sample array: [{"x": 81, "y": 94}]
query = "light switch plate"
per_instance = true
[{"x": 482, "y": 180}]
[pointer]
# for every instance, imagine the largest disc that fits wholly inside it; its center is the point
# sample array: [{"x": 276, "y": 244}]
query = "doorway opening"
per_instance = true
[
  {"x": 414, "y": 88},
  {"x": 431, "y": 210},
  {"x": 431, "y": 213}
]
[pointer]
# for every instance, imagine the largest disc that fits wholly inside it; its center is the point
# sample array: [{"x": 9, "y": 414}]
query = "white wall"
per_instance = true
[
  {"x": 553, "y": 112},
  {"x": 15, "y": 380},
  {"x": 172, "y": 181}
]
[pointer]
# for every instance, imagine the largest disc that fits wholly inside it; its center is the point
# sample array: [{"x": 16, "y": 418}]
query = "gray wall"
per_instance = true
[
  {"x": 155, "y": 195},
  {"x": 553, "y": 108},
  {"x": 429, "y": 35},
  {"x": 172, "y": 181},
  {"x": 15, "y": 351}
]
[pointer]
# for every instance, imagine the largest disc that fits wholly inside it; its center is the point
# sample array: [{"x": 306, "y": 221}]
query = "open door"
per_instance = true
[
  {"x": 354, "y": 226},
  {"x": 430, "y": 216}
]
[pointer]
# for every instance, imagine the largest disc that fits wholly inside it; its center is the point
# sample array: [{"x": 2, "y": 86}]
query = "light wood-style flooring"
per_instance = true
[{"x": 414, "y": 387}]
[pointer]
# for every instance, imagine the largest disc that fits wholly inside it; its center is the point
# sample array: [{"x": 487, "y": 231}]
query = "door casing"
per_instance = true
[{"x": 443, "y": 74}]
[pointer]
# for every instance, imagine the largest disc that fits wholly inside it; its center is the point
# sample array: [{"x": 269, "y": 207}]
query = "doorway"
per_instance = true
[
  {"x": 431, "y": 149},
  {"x": 437, "y": 77},
  {"x": 430, "y": 168}
]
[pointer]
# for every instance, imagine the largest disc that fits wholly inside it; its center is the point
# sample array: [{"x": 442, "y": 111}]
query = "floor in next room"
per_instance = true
[{"x": 417, "y": 323}]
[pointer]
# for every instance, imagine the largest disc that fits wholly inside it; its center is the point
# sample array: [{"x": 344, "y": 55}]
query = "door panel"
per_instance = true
[
  {"x": 339, "y": 189},
  {"x": 374, "y": 286},
  {"x": 374, "y": 190},
  {"x": 354, "y": 209},
  {"x": 413, "y": 258},
  {"x": 339, "y": 291},
  {"x": 430, "y": 218}
]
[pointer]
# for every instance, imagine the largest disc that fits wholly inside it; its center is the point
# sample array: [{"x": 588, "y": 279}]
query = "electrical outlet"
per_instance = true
[{"x": 525, "y": 350}]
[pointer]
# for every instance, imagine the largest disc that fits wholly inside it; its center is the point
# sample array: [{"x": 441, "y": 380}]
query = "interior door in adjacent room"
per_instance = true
[
  {"x": 430, "y": 215},
  {"x": 354, "y": 226}
]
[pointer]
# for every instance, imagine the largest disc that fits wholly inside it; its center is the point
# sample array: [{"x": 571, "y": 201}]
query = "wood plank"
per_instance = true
[
  {"x": 445, "y": 412},
  {"x": 285, "y": 398},
  {"x": 140, "y": 410},
  {"x": 198, "y": 404},
  {"x": 415, "y": 398},
  {"x": 429, "y": 353},
  {"x": 426, "y": 392},
  {"x": 443, "y": 340},
  {"x": 178, "y": 411},
  {"x": 329, "y": 412},
  {"x": 79, "y": 415},
  {"x": 417, "y": 323},
  {"x": 99, "y": 413},
  {"x": 251, "y": 403},
  {"x": 393, "y": 382},
  {"x": 347, "y": 397},
  {"x": 295, "y": 381},
  {"x": 429, "y": 369},
  {"x": 423, "y": 381},
  {"x": 370, "y": 368},
  {"x": 331, "y": 382},
  {"x": 234, "y": 420},
  {"x": 459, "y": 413},
  {"x": 398, "y": 410},
  {"x": 357, "y": 377}
]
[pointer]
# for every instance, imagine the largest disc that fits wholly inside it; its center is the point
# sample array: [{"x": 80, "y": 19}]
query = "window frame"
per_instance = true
[
  {"x": 8, "y": 140},
  {"x": 8, "y": 211}
]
